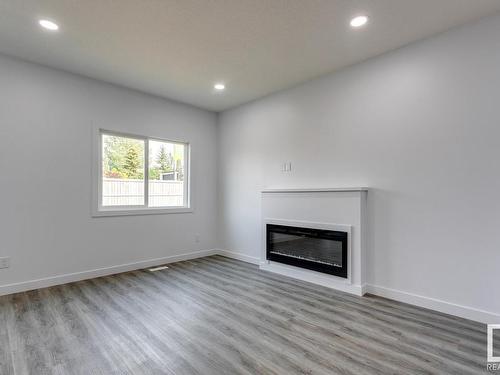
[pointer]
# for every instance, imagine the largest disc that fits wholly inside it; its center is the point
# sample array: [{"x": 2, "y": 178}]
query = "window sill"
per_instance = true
[{"x": 141, "y": 211}]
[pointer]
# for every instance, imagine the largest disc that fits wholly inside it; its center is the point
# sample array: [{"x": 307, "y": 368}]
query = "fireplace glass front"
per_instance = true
[{"x": 315, "y": 249}]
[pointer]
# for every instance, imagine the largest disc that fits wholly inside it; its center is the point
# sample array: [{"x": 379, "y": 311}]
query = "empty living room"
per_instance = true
[{"x": 270, "y": 187}]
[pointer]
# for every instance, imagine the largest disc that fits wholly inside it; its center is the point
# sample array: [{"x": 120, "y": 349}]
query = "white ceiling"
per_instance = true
[{"x": 179, "y": 48}]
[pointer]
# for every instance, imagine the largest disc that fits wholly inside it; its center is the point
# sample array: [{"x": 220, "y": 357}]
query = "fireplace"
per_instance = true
[{"x": 314, "y": 249}]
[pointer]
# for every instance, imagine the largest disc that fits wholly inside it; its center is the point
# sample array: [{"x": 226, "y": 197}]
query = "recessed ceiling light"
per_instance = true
[
  {"x": 49, "y": 25},
  {"x": 219, "y": 86},
  {"x": 359, "y": 21}
]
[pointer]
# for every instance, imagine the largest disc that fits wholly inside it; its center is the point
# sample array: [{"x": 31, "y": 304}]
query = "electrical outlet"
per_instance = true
[
  {"x": 5, "y": 262},
  {"x": 197, "y": 238},
  {"x": 286, "y": 167}
]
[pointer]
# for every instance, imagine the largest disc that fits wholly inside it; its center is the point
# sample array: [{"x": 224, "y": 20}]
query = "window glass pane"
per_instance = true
[
  {"x": 122, "y": 171},
  {"x": 166, "y": 174}
]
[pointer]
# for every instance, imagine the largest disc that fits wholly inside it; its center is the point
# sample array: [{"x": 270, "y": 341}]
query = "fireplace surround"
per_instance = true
[{"x": 337, "y": 212}]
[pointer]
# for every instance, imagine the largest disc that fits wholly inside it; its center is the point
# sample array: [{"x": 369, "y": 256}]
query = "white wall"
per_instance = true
[
  {"x": 46, "y": 119},
  {"x": 421, "y": 126}
]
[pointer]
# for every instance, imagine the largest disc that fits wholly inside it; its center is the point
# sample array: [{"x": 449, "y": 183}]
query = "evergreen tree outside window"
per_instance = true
[{"x": 124, "y": 182}]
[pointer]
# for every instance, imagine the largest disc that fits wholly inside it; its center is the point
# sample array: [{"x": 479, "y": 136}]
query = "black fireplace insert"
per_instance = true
[{"x": 315, "y": 249}]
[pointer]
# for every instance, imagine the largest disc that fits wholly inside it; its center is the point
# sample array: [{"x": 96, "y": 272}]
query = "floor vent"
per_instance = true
[{"x": 159, "y": 268}]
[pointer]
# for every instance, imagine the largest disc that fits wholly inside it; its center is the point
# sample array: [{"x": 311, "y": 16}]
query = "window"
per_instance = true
[{"x": 141, "y": 175}]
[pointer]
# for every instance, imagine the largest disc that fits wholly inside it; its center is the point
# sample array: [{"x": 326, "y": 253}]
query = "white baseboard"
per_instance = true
[
  {"x": 364, "y": 289},
  {"x": 397, "y": 295},
  {"x": 84, "y": 275},
  {"x": 435, "y": 304},
  {"x": 239, "y": 256}
]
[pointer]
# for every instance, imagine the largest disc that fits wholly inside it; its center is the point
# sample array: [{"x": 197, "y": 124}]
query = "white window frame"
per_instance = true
[{"x": 99, "y": 210}]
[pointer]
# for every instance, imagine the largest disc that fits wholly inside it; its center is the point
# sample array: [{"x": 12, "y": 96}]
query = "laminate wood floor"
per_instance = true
[{"x": 220, "y": 316}]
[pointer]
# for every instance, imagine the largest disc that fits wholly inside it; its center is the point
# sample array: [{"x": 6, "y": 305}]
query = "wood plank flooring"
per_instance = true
[{"x": 220, "y": 316}]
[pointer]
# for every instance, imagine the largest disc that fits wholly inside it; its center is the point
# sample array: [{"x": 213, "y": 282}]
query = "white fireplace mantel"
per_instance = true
[
  {"x": 315, "y": 190},
  {"x": 328, "y": 208}
]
